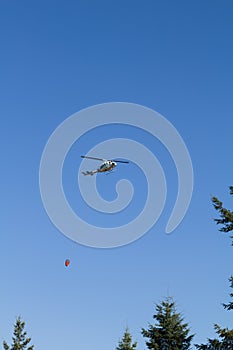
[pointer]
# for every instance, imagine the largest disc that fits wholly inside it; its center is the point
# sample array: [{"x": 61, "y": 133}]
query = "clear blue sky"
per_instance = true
[{"x": 58, "y": 57}]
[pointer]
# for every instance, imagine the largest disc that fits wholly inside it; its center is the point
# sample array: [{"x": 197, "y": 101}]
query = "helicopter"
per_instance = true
[{"x": 106, "y": 166}]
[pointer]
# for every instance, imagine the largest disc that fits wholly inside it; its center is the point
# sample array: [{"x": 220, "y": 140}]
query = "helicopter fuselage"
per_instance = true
[{"x": 107, "y": 166}]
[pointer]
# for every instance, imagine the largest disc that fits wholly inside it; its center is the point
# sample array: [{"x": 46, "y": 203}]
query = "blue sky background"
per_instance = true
[{"x": 58, "y": 57}]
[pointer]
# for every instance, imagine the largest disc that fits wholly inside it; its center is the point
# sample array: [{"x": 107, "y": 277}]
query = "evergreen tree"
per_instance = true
[
  {"x": 20, "y": 341},
  {"x": 226, "y": 215},
  {"x": 126, "y": 342},
  {"x": 169, "y": 331},
  {"x": 229, "y": 306},
  {"x": 225, "y": 341},
  {"x": 225, "y": 335},
  {"x": 226, "y": 219}
]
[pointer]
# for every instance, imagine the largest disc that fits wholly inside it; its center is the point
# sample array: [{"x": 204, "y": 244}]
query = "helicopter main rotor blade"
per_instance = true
[
  {"x": 120, "y": 161},
  {"x": 93, "y": 158},
  {"x": 105, "y": 160}
]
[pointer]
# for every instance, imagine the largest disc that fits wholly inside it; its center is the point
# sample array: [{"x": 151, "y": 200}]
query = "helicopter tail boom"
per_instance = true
[{"x": 89, "y": 172}]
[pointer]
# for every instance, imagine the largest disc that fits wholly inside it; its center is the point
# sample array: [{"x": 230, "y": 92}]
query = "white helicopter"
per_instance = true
[{"x": 106, "y": 166}]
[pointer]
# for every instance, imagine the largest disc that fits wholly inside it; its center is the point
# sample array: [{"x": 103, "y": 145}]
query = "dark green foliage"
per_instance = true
[
  {"x": 20, "y": 341},
  {"x": 126, "y": 342},
  {"x": 229, "y": 306},
  {"x": 226, "y": 215},
  {"x": 225, "y": 336},
  {"x": 227, "y": 222},
  {"x": 169, "y": 331},
  {"x": 225, "y": 341}
]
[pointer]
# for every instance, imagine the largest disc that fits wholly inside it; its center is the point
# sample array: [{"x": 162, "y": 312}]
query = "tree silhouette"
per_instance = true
[
  {"x": 226, "y": 215},
  {"x": 169, "y": 332},
  {"x": 20, "y": 340},
  {"x": 126, "y": 342},
  {"x": 225, "y": 335}
]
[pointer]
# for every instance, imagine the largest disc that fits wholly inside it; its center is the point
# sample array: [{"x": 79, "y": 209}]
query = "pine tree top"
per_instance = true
[
  {"x": 126, "y": 342},
  {"x": 169, "y": 331},
  {"x": 20, "y": 340}
]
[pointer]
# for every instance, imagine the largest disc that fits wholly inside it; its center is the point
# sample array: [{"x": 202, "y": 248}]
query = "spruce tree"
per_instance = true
[
  {"x": 20, "y": 340},
  {"x": 226, "y": 215},
  {"x": 229, "y": 306},
  {"x": 225, "y": 335},
  {"x": 169, "y": 331},
  {"x": 226, "y": 219},
  {"x": 126, "y": 342},
  {"x": 225, "y": 341}
]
